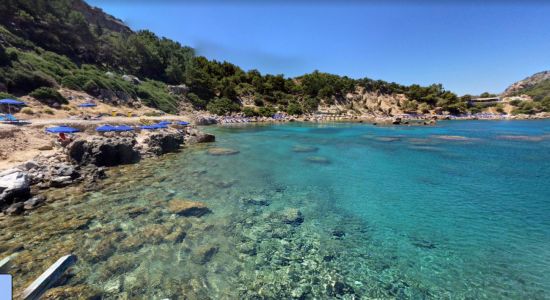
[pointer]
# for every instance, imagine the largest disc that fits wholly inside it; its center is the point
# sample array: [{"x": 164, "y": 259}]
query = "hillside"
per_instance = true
[
  {"x": 69, "y": 44},
  {"x": 530, "y": 95}
]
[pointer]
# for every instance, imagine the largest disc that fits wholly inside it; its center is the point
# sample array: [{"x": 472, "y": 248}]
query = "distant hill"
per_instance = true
[{"x": 535, "y": 88}]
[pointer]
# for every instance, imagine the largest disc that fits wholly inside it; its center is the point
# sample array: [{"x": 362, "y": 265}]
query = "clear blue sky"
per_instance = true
[{"x": 468, "y": 47}]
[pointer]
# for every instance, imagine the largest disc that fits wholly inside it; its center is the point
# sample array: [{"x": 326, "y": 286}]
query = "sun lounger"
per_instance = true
[{"x": 11, "y": 119}]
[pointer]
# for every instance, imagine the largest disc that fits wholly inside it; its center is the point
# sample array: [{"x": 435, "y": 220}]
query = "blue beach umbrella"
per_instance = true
[
  {"x": 123, "y": 128},
  {"x": 62, "y": 129},
  {"x": 183, "y": 123},
  {"x": 164, "y": 123},
  {"x": 10, "y": 102},
  {"x": 87, "y": 104},
  {"x": 149, "y": 127},
  {"x": 105, "y": 128}
]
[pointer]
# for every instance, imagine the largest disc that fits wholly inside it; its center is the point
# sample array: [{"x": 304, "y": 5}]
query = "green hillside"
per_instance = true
[{"x": 68, "y": 43}]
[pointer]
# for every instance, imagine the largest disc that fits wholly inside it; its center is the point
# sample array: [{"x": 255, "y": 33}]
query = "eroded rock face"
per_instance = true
[
  {"x": 160, "y": 143},
  {"x": 103, "y": 151},
  {"x": 14, "y": 186},
  {"x": 188, "y": 208}
]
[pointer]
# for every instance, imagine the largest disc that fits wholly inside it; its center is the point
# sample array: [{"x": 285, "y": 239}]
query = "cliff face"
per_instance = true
[
  {"x": 97, "y": 16},
  {"x": 364, "y": 102},
  {"x": 529, "y": 82}
]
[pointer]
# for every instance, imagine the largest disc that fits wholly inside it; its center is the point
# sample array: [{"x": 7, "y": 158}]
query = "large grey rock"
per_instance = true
[
  {"x": 14, "y": 185},
  {"x": 160, "y": 143},
  {"x": 196, "y": 136},
  {"x": 206, "y": 121},
  {"x": 103, "y": 151}
]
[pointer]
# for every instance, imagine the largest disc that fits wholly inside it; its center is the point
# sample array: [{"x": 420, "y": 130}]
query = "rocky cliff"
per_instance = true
[{"x": 529, "y": 82}]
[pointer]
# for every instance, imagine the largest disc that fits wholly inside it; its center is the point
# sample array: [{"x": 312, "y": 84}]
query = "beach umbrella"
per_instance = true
[
  {"x": 164, "y": 123},
  {"x": 62, "y": 129},
  {"x": 105, "y": 128},
  {"x": 123, "y": 128},
  {"x": 87, "y": 104},
  {"x": 10, "y": 102},
  {"x": 183, "y": 123},
  {"x": 149, "y": 127}
]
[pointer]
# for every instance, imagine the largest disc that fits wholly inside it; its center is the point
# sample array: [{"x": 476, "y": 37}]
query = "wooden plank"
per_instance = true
[{"x": 52, "y": 274}]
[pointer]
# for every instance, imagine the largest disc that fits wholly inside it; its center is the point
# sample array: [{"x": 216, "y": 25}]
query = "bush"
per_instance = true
[
  {"x": 258, "y": 102},
  {"x": 267, "y": 111},
  {"x": 4, "y": 95},
  {"x": 48, "y": 111},
  {"x": 196, "y": 101},
  {"x": 27, "y": 111},
  {"x": 222, "y": 106},
  {"x": 294, "y": 109},
  {"x": 48, "y": 96},
  {"x": 250, "y": 112}
]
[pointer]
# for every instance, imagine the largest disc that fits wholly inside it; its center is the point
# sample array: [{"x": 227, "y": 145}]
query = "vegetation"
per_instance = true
[
  {"x": 56, "y": 45},
  {"x": 48, "y": 96}
]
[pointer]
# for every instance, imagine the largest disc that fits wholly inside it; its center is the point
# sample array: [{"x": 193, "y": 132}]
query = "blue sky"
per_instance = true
[{"x": 468, "y": 47}]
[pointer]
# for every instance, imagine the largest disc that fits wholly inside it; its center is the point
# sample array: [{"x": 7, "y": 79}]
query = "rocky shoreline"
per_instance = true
[{"x": 84, "y": 161}]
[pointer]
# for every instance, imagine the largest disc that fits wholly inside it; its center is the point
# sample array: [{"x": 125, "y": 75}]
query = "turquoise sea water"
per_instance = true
[{"x": 460, "y": 210}]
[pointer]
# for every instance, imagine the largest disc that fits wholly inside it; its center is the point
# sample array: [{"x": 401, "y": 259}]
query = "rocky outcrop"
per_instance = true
[
  {"x": 104, "y": 151},
  {"x": 204, "y": 120},
  {"x": 528, "y": 82},
  {"x": 188, "y": 208},
  {"x": 14, "y": 186},
  {"x": 159, "y": 143},
  {"x": 195, "y": 136}
]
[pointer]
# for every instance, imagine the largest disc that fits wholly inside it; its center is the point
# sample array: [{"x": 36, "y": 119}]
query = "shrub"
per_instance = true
[
  {"x": 48, "y": 96},
  {"x": 48, "y": 111},
  {"x": 27, "y": 111},
  {"x": 294, "y": 109},
  {"x": 222, "y": 106},
  {"x": 267, "y": 111},
  {"x": 258, "y": 102},
  {"x": 4, "y": 95},
  {"x": 250, "y": 112},
  {"x": 196, "y": 101}
]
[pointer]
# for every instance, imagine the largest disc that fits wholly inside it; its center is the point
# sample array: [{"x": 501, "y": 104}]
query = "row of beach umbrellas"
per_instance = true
[{"x": 110, "y": 128}]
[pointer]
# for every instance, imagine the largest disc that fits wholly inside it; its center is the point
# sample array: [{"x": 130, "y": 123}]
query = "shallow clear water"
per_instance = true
[{"x": 459, "y": 210}]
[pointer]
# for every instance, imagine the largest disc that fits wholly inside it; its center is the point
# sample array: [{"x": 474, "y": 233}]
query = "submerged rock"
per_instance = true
[
  {"x": 222, "y": 151},
  {"x": 318, "y": 160},
  {"x": 204, "y": 254},
  {"x": 304, "y": 149},
  {"x": 292, "y": 216},
  {"x": 188, "y": 208},
  {"x": 34, "y": 202},
  {"x": 81, "y": 291}
]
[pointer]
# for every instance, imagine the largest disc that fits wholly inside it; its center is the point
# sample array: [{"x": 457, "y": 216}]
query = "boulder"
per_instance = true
[
  {"x": 103, "y": 151},
  {"x": 206, "y": 121},
  {"x": 34, "y": 202},
  {"x": 195, "y": 136},
  {"x": 222, "y": 151},
  {"x": 15, "y": 209},
  {"x": 181, "y": 89},
  {"x": 160, "y": 143},
  {"x": 292, "y": 216},
  {"x": 188, "y": 208},
  {"x": 14, "y": 185},
  {"x": 204, "y": 254}
]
